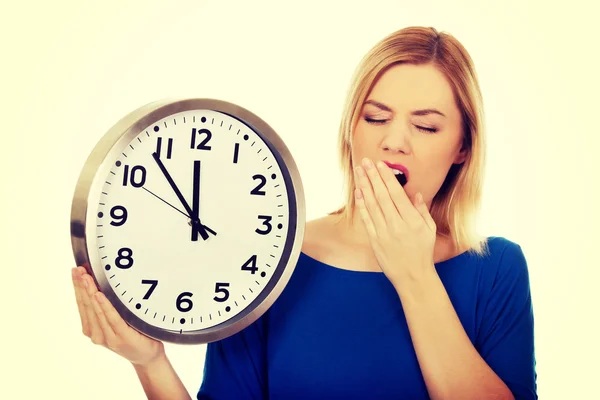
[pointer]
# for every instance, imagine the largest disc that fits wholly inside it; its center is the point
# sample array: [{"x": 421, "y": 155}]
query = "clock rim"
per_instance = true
[{"x": 87, "y": 195}]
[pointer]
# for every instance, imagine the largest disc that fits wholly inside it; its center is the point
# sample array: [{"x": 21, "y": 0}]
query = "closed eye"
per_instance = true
[{"x": 383, "y": 121}]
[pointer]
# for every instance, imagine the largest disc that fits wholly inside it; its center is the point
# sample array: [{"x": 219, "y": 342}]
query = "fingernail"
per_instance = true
[
  {"x": 367, "y": 163},
  {"x": 85, "y": 283}
]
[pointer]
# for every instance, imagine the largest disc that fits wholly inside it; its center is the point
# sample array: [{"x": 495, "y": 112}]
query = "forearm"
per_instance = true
[
  {"x": 160, "y": 381},
  {"x": 451, "y": 366}
]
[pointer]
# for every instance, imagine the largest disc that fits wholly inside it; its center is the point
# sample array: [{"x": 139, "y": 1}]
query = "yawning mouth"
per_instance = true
[
  {"x": 400, "y": 171},
  {"x": 400, "y": 177}
]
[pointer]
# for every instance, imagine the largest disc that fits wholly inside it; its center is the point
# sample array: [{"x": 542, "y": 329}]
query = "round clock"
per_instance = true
[{"x": 190, "y": 216}]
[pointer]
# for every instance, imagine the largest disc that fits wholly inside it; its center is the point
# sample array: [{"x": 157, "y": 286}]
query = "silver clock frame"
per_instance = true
[{"x": 87, "y": 197}]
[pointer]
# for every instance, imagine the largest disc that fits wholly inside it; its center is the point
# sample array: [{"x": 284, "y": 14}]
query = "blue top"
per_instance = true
[{"x": 342, "y": 334}]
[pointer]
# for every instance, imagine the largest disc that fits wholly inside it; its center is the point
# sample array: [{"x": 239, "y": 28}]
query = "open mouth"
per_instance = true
[{"x": 400, "y": 177}]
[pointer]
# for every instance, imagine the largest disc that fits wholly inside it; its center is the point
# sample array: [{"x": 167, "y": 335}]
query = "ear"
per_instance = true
[{"x": 462, "y": 155}]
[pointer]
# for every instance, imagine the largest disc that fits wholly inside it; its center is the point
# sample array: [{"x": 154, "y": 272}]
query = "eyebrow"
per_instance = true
[{"x": 425, "y": 111}]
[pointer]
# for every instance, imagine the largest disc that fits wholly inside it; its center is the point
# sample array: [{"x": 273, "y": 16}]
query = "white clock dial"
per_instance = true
[{"x": 154, "y": 257}]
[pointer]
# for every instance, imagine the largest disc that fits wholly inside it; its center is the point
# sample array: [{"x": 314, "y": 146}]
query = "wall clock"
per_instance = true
[{"x": 190, "y": 216}]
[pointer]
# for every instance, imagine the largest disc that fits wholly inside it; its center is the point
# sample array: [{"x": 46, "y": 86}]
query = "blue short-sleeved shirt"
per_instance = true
[{"x": 342, "y": 334}]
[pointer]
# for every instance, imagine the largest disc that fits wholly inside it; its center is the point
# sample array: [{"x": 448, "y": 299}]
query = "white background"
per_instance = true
[{"x": 71, "y": 69}]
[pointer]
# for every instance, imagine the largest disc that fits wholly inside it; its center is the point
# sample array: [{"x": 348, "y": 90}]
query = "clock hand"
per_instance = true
[
  {"x": 177, "y": 209},
  {"x": 196, "y": 199},
  {"x": 163, "y": 200},
  {"x": 195, "y": 221}
]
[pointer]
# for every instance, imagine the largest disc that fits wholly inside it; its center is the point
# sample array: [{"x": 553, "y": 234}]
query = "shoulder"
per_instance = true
[{"x": 506, "y": 263}]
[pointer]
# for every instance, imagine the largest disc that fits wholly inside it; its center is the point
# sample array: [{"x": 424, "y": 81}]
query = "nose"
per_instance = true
[{"x": 397, "y": 141}]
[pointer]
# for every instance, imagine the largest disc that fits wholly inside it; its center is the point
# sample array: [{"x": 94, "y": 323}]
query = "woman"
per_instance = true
[{"x": 394, "y": 295}]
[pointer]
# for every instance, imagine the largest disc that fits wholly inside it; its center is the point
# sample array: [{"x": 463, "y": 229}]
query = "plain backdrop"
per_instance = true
[{"x": 71, "y": 69}]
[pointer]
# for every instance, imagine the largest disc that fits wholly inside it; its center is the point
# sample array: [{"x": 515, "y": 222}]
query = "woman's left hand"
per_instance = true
[{"x": 402, "y": 232}]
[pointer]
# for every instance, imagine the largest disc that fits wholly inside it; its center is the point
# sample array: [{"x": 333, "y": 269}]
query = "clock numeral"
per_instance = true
[
  {"x": 131, "y": 178},
  {"x": 153, "y": 284},
  {"x": 203, "y": 144},
  {"x": 122, "y": 217},
  {"x": 250, "y": 265},
  {"x": 159, "y": 146},
  {"x": 220, "y": 288},
  {"x": 236, "y": 152},
  {"x": 267, "y": 219},
  {"x": 184, "y": 305},
  {"x": 263, "y": 182},
  {"x": 127, "y": 257}
]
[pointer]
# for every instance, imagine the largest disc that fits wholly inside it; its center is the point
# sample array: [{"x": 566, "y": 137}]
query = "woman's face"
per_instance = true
[{"x": 427, "y": 143}]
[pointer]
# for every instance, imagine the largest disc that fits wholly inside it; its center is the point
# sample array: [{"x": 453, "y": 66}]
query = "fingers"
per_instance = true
[
  {"x": 78, "y": 288},
  {"x": 90, "y": 324},
  {"x": 371, "y": 204},
  {"x": 398, "y": 198},
  {"x": 102, "y": 307},
  {"x": 100, "y": 320}
]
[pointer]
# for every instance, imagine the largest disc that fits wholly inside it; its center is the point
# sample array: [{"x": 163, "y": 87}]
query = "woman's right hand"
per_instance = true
[{"x": 104, "y": 326}]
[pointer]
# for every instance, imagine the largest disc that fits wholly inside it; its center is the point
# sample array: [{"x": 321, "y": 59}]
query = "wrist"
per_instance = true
[
  {"x": 156, "y": 361},
  {"x": 417, "y": 284}
]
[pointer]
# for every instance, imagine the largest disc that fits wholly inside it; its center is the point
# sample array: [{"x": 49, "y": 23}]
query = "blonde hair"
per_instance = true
[{"x": 456, "y": 205}]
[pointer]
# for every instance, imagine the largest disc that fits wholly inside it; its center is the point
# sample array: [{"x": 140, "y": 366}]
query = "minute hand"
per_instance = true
[{"x": 195, "y": 220}]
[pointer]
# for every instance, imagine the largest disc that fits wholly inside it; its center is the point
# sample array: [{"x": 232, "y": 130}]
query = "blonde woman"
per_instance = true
[{"x": 395, "y": 296}]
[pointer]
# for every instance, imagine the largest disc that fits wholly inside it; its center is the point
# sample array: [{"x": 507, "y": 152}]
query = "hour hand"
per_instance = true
[{"x": 196, "y": 205}]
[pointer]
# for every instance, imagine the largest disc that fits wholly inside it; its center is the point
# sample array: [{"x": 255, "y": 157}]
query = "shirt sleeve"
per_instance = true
[
  {"x": 235, "y": 367},
  {"x": 506, "y": 337}
]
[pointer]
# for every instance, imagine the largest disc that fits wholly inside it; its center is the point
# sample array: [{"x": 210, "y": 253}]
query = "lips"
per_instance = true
[{"x": 400, "y": 171}]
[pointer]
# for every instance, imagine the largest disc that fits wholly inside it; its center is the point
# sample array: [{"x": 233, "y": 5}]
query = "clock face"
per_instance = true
[{"x": 169, "y": 269}]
